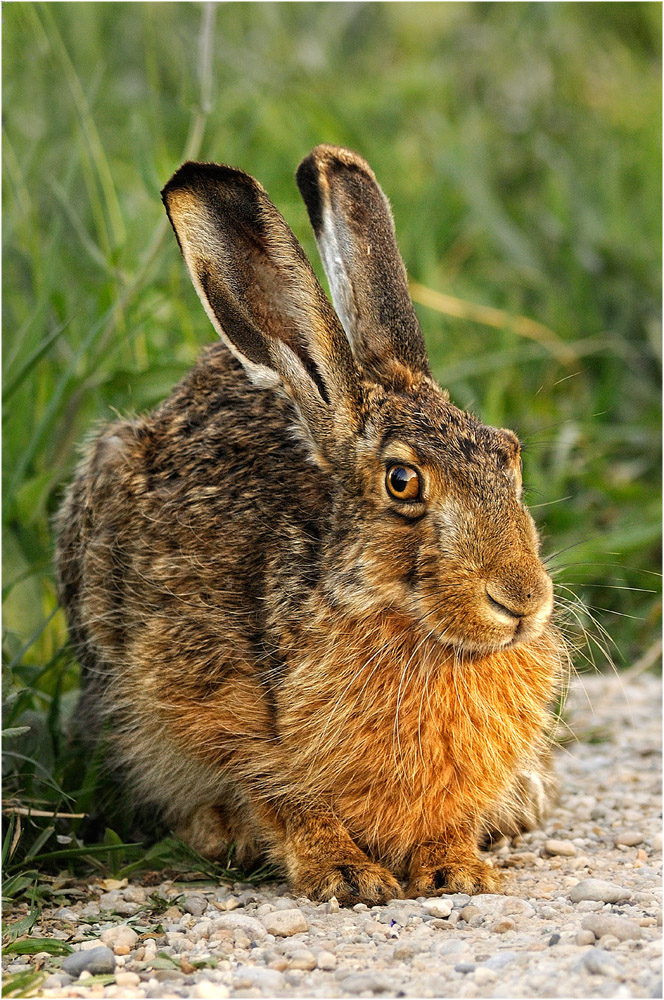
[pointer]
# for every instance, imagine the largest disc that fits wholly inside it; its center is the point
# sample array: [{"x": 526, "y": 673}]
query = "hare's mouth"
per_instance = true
[
  {"x": 489, "y": 629},
  {"x": 494, "y": 614}
]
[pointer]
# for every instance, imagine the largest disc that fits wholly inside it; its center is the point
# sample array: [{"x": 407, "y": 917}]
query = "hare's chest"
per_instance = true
[{"x": 395, "y": 748}]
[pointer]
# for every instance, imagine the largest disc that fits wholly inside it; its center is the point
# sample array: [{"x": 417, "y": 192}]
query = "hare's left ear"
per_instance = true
[
  {"x": 261, "y": 294},
  {"x": 354, "y": 230}
]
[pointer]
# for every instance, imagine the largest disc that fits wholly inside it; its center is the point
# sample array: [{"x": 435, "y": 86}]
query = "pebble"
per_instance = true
[
  {"x": 196, "y": 905},
  {"x": 438, "y": 906},
  {"x": 500, "y": 960},
  {"x": 210, "y": 991},
  {"x": 121, "y": 939},
  {"x": 96, "y": 961},
  {"x": 512, "y": 905},
  {"x": 56, "y": 981},
  {"x": 600, "y": 963},
  {"x": 629, "y": 839},
  {"x": 364, "y": 982},
  {"x": 465, "y": 967},
  {"x": 326, "y": 960},
  {"x": 584, "y": 937},
  {"x": 134, "y": 894},
  {"x": 127, "y": 979},
  {"x": 252, "y": 928},
  {"x": 483, "y": 976},
  {"x": 303, "y": 959},
  {"x": 620, "y": 927},
  {"x": 598, "y": 890},
  {"x": 503, "y": 926},
  {"x": 564, "y": 848},
  {"x": 248, "y": 976},
  {"x": 284, "y": 923}
]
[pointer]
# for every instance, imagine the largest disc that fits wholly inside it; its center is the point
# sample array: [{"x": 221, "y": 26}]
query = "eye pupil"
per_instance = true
[
  {"x": 399, "y": 479},
  {"x": 403, "y": 482}
]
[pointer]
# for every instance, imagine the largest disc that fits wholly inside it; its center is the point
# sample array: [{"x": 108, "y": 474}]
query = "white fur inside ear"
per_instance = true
[
  {"x": 258, "y": 374},
  {"x": 298, "y": 381},
  {"x": 335, "y": 245}
]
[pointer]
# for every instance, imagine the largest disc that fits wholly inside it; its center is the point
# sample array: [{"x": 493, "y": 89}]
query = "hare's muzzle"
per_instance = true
[{"x": 520, "y": 596}]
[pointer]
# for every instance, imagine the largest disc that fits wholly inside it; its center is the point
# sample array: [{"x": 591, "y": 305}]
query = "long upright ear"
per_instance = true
[
  {"x": 259, "y": 290},
  {"x": 354, "y": 230}
]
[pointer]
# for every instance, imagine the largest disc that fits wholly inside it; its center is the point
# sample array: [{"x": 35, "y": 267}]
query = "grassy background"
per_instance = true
[{"x": 520, "y": 146}]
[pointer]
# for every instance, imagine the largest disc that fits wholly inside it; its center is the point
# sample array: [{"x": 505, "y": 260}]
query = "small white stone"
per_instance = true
[
  {"x": 630, "y": 838},
  {"x": 602, "y": 924},
  {"x": 438, "y": 906},
  {"x": 135, "y": 894},
  {"x": 599, "y": 890},
  {"x": 150, "y": 946},
  {"x": 205, "y": 990},
  {"x": 564, "y": 848},
  {"x": 484, "y": 976},
  {"x": 252, "y": 928},
  {"x": 284, "y": 923},
  {"x": 127, "y": 979},
  {"x": 303, "y": 959},
  {"x": 326, "y": 960},
  {"x": 120, "y": 938}
]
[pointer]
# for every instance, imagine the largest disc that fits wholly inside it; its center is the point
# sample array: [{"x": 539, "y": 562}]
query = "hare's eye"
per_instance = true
[{"x": 403, "y": 482}]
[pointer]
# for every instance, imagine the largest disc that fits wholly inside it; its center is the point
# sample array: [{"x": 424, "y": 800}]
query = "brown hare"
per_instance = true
[{"x": 306, "y": 596}]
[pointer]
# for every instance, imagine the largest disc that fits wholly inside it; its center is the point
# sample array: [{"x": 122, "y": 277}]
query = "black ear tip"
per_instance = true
[
  {"x": 307, "y": 181},
  {"x": 196, "y": 176}
]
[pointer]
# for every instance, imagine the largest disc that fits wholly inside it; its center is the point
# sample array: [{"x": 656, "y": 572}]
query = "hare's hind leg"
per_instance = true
[
  {"x": 526, "y": 804},
  {"x": 220, "y": 833}
]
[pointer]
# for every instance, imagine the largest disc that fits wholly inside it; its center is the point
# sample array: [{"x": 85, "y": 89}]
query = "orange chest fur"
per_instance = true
[{"x": 408, "y": 741}]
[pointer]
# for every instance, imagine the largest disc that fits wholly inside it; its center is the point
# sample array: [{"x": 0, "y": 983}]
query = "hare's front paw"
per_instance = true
[
  {"x": 456, "y": 867},
  {"x": 471, "y": 877},
  {"x": 351, "y": 881}
]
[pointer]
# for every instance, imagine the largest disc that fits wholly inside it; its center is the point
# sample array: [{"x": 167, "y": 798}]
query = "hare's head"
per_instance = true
[{"x": 426, "y": 519}]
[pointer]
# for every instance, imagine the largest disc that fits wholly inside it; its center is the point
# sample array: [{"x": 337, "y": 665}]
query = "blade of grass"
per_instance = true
[
  {"x": 28, "y": 365},
  {"x": 33, "y": 946},
  {"x": 91, "y": 851},
  {"x": 53, "y": 41},
  {"x": 449, "y": 305},
  {"x": 23, "y": 984},
  {"x": 39, "y": 843}
]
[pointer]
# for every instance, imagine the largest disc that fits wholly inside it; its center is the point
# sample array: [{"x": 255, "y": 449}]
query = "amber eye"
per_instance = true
[{"x": 403, "y": 482}]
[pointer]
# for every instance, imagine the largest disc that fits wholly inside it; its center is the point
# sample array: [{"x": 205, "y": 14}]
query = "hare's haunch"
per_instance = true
[{"x": 305, "y": 594}]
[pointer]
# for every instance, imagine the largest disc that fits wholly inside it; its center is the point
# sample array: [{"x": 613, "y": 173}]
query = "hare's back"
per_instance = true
[{"x": 181, "y": 523}]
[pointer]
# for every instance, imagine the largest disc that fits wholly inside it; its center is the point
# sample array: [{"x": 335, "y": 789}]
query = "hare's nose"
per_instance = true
[{"x": 520, "y": 593}]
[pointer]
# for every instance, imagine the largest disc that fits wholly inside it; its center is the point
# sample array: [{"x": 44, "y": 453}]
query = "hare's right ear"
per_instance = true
[
  {"x": 354, "y": 230},
  {"x": 260, "y": 292}
]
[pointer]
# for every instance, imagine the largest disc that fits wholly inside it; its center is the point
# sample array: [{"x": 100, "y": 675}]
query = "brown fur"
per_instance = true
[{"x": 284, "y": 655}]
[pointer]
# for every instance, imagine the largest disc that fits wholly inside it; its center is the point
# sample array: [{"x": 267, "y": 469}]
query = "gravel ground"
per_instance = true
[{"x": 580, "y": 917}]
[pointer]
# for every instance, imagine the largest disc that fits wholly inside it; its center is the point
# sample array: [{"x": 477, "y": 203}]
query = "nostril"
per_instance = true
[
  {"x": 511, "y": 595},
  {"x": 498, "y": 606}
]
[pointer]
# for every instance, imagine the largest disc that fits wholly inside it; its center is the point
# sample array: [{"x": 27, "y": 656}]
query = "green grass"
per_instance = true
[{"x": 520, "y": 147}]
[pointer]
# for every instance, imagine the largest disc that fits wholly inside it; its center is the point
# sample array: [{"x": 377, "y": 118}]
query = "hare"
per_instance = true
[{"x": 305, "y": 593}]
